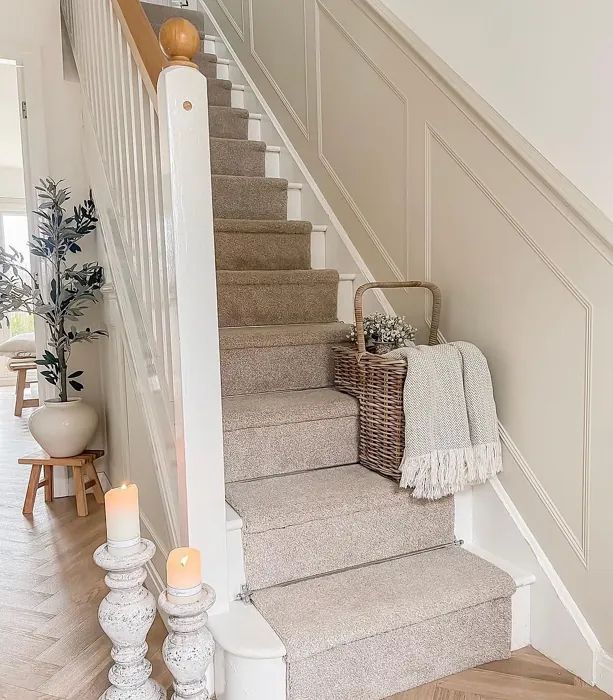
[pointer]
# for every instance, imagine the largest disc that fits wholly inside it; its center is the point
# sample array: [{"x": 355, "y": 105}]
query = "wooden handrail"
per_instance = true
[
  {"x": 143, "y": 42},
  {"x": 178, "y": 43}
]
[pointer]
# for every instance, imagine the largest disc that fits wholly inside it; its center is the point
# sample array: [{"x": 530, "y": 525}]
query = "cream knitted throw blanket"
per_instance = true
[{"x": 451, "y": 435}]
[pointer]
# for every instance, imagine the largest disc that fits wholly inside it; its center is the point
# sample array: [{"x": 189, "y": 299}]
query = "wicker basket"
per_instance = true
[{"x": 378, "y": 384}]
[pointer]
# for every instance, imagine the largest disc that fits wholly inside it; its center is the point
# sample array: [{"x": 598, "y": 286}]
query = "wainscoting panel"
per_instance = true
[
  {"x": 528, "y": 310},
  {"x": 283, "y": 60},
  {"x": 359, "y": 104},
  {"x": 235, "y": 14}
]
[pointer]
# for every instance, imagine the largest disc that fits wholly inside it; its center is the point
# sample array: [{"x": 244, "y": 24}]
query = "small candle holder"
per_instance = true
[
  {"x": 126, "y": 615},
  {"x": 189, "y": 648}
]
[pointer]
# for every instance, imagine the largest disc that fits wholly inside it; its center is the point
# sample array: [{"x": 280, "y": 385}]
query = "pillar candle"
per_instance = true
[
  {"x": 122, "y": 517},
  {"x": 183, "y": 575}
]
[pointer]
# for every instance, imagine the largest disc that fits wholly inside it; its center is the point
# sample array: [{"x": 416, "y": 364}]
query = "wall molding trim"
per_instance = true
[
  {"x": 239, "y": 29},
  {"x": 588, "y": 220},
  {"x": 603, "y": 672},
  {"x": 579, "y": 544},
  {"x": 302, "y": 125},
  {"x": 393, "y": 266}
]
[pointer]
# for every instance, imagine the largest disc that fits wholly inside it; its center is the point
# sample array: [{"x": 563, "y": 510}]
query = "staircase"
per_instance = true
[{"x": 363, "y": 584}]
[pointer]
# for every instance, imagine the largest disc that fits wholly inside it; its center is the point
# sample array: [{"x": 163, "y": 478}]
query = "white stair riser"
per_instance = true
[
  {"x": 318, "y": 247},
  {"x": 223, "y": 69},
  {"x": 254, "y": 130},
  {"x": 209, "y": 45},
  {"x": 273, "y": 161},
  {"x": 346, "y": 292},
  {"x": 294, "y": 201},
  {"x": 238, "y": 96}
]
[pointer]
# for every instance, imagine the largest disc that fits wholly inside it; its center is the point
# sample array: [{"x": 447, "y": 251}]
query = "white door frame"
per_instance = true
[{"x": 35, "y": 166}]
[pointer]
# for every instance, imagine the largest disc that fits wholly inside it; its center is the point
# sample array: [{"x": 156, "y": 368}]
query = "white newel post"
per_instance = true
[{"x": 186, "y": 179}]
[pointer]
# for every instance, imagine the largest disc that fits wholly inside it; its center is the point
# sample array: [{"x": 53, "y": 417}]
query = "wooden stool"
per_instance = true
[
  {"x": 81, "y": 465},
  {"x": 22, "y": 367}
]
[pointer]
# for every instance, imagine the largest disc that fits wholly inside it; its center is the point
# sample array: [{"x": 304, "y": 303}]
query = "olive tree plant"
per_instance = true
[{"x": 71, "y": 288}]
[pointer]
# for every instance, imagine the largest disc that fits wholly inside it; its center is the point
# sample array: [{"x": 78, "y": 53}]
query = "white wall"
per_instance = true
[
  {"x": 30, "y": 32},
  {"x": 544, "y": 66},
  {"x": 11, "y": 163}
]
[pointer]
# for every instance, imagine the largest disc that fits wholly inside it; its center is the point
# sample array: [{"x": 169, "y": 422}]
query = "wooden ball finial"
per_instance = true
[{"x": 180, "y": 41}]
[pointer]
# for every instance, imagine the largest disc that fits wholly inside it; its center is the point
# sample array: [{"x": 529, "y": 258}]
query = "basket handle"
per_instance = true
[{"x": 359, "y": 310}]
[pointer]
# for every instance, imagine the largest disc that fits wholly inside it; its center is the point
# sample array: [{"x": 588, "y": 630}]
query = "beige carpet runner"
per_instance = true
[{"x": 326, "y": 541}]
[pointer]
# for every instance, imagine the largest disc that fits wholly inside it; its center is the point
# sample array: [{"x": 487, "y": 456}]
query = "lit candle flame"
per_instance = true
[{"x": 184, "y": 561}]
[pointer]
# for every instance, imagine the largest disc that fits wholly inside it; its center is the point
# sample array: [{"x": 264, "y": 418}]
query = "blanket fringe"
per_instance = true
[{"x": 444, "y": 472}]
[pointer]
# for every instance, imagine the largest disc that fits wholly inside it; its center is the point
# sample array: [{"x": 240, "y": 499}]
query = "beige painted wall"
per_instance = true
[{"x": 426, "y": 190}]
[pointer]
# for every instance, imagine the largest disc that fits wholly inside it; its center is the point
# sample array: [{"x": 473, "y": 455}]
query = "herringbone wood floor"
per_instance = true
[{"x": 52, "y": 647}]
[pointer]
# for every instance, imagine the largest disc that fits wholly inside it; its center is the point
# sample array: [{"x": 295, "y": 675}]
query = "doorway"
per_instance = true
[{"x": 17, "y": 339}]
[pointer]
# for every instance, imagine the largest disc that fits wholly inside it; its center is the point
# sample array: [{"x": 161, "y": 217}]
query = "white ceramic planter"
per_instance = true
[{"x": 63, "y": 429}]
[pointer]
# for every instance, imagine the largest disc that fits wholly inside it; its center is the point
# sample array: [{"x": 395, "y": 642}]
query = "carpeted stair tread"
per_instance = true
[
  {"x": 228, "y": 122},
  {"x": 281, "y": 432},
  {"x": 238, "y": 157},
  {"x": 219, "y": 92},
  {"x": 273, "y": 226},
  {"x": 286, "y": 407},
  {"x": 207, "y": 64},
  {"x": 158, "y": 14},
  {"x": 236, "y": 197},
  {"x": 295, "y": 499},
  {"x": 251, "y": 244},
  {"x": 316, "y": 615},
  {"x": 324, "y": 520},
  {"x": 289, "y": 335},
  {"x": 256, "y": 359},
  {"x": 276, "y": 297}
]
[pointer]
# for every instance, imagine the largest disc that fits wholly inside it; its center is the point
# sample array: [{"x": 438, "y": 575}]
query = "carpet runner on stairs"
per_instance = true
[{"x": 333, "y": 552}]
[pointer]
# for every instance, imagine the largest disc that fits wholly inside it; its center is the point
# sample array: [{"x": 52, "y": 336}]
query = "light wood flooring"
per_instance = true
[{"x": 52, "y": 647}]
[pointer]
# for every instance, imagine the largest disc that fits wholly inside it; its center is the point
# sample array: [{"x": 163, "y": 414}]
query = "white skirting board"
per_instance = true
[{"x": 558, "y": 629}]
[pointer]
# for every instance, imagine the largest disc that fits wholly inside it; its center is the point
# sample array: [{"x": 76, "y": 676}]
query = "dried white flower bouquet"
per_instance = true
[{"x": 384, "y": 332}]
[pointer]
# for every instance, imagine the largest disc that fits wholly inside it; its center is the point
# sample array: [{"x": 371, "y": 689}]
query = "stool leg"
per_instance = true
[
  {"x": 97, "y": 487},
  {"x": 28, "y": 504},
  {"x": 49, "y": 484},
  {"x": 79, "y": 489},
  {"x": 19, "y": 391}
]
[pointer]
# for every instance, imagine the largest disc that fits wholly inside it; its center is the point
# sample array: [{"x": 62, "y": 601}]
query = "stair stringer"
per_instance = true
[{"x": 153, "y": 394}]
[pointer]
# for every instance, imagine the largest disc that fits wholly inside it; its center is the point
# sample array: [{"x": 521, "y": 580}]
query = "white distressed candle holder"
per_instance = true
[
  {"x": 189, "y": 648},
  {"x": 126, "y": 616}
]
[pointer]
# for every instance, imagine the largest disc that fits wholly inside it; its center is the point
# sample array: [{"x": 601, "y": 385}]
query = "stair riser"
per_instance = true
[
  {"x": 270, "y": 305},
  {"x": 237, "y": 157},
  {"x": 258, "y": 251},
  {"x": 249, "y": 199},
  {"x": 290, "y": 448},
  {"x": 326, "y": 545},
  {"x": 390, "y": 663},
  {"x": 257, "y": 370},
  {"x": 228, "y": 125}
]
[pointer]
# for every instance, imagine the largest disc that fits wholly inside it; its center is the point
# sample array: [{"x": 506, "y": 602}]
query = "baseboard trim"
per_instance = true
[
  {"x": 603, "y": 673},
  {"x": 558, "y": 627}
]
